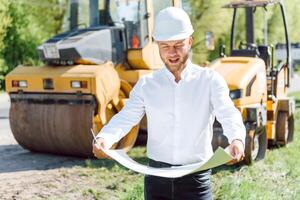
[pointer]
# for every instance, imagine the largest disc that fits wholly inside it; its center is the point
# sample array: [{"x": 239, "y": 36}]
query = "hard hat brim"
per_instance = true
[{"x": 180, "y": 36}]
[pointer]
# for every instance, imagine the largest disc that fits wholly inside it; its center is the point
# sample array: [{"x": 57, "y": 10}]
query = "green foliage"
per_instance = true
[
  {"x": 19, "y": 43},
  {"x": 5, "y": 21},
  {"x": 209, "y": 15},
  {"x": 292, "y": 11},
  {"x": 25, "y": 25}
]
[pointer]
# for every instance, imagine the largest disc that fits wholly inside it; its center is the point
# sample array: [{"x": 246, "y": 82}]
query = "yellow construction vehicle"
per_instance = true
[
  {"x": 258, "y": 86},
  {"x": 88, "y": 75}
]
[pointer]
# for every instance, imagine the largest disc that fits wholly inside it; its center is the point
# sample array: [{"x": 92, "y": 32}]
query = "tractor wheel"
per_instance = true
[
  {"x": 255, "y": 146},
  {"x": 291, "y": 128},
  {"x": 127, "y": 142},
  {"x": 282, "y": 128}
]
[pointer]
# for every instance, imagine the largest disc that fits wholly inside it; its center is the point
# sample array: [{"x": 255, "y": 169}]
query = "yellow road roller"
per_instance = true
[
  {"x": 87, "y": 76},
  {"x": 258, "y": 86}
]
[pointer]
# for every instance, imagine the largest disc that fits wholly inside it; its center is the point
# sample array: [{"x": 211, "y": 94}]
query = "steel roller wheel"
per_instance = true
[
  {"x": 282, "y": 128},
  {"x": 255, "y": 145},
  {"x": 127, "y": 142},
  {"x": 291, "y": 125},
  {"x": 59, "y": 126}
]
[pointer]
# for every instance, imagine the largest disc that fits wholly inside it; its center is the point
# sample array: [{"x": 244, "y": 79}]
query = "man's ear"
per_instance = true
[{"x": 190, "y": 41}]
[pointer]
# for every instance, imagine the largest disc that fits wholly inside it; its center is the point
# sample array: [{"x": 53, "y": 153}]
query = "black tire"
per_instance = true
[
  {"x": 255, "y": 145},
  {"x": 282, "y": 128},
  {"x": 291, "y": 128}
]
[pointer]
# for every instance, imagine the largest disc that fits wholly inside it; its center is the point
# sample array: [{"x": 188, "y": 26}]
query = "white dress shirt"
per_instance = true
[{"x": 179, "y": 115}]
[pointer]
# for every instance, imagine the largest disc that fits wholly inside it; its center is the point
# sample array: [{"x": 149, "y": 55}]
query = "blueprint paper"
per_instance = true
[{"x": 219, "y": 157}]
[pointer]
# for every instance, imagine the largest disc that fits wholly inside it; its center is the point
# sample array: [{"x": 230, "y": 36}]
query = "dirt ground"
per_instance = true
[{"x": 27, "y": 175}]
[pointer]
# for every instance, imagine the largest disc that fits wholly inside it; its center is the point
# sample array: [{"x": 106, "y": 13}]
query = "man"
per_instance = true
[{"x": 181, "y": 102}]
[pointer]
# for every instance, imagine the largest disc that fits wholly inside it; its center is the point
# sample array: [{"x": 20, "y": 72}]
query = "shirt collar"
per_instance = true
[{"x": 183, "y": 74}]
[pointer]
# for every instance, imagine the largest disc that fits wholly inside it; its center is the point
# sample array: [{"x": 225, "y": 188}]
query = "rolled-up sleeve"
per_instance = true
[
  {"x": 225, "y": 111},
  {"x": 121, "y": 123}
]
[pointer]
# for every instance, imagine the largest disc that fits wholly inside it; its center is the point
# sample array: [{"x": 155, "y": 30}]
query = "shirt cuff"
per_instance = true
[
  {"x": 108, "y": 140},
  {"x": 243, "y": 142}
]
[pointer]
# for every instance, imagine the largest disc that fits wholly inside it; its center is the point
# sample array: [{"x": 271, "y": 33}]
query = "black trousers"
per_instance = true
[{"x": 190, "y": 187}]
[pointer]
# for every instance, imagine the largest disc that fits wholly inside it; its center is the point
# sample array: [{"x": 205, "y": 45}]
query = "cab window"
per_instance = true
[
  {"x": 159, "y": 5},
  {"x": 131, "y": 14}
]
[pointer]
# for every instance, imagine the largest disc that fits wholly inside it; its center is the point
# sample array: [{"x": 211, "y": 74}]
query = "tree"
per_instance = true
[
  {"x": 207, "y": 15},
  {"x": 26, "y": 24},
  {"x": 5, "y": 21}
]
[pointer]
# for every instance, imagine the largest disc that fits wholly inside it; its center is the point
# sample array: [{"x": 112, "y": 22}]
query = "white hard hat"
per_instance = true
[{"x": 172, "y": 23}]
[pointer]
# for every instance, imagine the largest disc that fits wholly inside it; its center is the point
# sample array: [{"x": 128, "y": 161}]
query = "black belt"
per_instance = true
[{"x": 158, "y": 164}]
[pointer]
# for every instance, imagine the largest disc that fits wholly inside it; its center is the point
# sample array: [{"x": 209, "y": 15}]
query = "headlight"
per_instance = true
[
  {"x": 235, "y": 94},
  {"x": 79, "y": 84},
  {"x": 21, "y": 84},
  {"x": 75, "y": 84}
]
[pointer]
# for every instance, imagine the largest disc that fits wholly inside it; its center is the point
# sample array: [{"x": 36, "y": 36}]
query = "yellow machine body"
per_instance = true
[
  {"x": 245, "y": 74},
  {"x": 248, "y": 75},
  {"x": 63, "y": 115}
]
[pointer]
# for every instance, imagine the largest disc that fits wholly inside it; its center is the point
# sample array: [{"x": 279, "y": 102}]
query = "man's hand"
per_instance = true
[
  {"x": 98, "y": 145},
  {"x": 236, "y": 149}
]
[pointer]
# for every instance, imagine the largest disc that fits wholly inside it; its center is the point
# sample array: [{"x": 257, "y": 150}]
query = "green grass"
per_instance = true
[
  {"x": 275, "y": 177},
  {"x": 113, "y": 181}
]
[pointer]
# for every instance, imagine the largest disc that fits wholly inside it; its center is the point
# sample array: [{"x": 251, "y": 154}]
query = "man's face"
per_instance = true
[{"x": 175, "y": 53}]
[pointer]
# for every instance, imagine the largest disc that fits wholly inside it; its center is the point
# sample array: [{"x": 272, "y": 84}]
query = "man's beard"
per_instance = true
[{"x": 178, "y": 65}]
